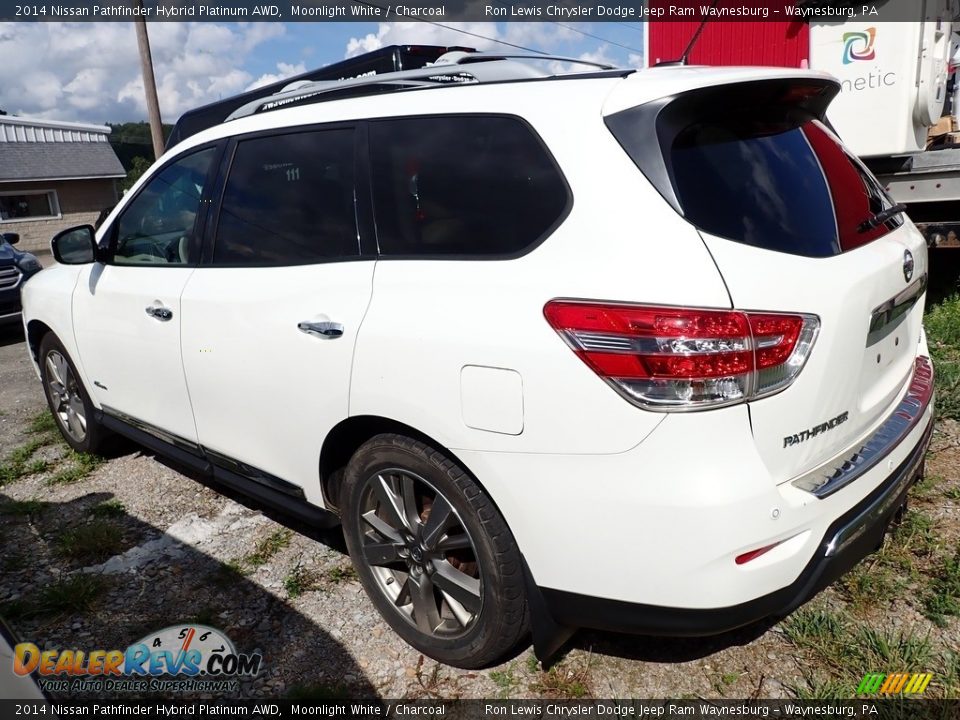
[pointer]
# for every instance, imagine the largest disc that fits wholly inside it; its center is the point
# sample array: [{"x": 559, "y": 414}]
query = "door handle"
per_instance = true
[
  {"x": 160, "y": 313},
  {"x": 327, "y": 330}
]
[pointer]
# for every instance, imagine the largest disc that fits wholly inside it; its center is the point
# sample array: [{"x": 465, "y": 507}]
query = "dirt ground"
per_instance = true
[{"x": 172, "y": 549}]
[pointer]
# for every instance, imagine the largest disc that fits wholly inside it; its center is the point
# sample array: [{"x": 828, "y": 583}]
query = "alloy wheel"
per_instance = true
[
  {"x": 420, "y": 553},
  {"x": 65, "y": 396}
]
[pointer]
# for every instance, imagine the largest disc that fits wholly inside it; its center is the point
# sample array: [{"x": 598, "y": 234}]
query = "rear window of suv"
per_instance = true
[{"x": 754, "y": 163}]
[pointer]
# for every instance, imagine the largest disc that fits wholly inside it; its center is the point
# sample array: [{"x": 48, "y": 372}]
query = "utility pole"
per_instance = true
[{"x": 149, "y": 83}]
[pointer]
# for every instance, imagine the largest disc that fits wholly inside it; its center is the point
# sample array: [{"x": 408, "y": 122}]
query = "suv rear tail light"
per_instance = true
[{"x": 675, "y": 359}]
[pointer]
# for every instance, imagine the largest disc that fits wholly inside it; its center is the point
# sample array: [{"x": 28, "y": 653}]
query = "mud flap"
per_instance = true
[{"x": 548, "y": 636}]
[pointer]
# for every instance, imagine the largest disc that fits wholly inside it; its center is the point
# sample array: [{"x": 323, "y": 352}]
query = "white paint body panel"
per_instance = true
[
  {"x": 843, "y": 373},
  {"x": 491, "y": 399},
  {"x": 133, "y": 361},
  {"x": 265, "y": 393},
  {"x": 574, "y": 467}
]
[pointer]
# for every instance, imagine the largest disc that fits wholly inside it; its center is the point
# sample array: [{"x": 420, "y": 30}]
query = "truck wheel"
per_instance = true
[
  {"x": 68, "y": 400},
  {"x": 433, "y": 553}
]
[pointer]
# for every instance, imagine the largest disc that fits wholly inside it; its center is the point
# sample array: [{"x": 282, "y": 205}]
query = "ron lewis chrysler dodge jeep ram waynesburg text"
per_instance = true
[{"x": 616, "y": 349}]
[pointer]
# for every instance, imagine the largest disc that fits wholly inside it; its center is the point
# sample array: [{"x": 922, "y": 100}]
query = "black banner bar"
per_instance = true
[
  {"x": 907, "y": 708},
  {"x": 459, "y": 10}
]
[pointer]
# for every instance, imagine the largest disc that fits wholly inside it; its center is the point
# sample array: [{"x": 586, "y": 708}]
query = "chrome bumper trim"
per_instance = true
[
  {"x": 851, "y": 465},
  {"x": 886, "y": 501}
]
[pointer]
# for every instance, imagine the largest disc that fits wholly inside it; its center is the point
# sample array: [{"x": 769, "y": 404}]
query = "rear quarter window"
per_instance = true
[{"x": 480, "y": 186}]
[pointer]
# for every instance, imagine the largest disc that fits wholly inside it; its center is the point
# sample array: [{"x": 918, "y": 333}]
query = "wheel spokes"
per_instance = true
[
  {"x": 440, "y": 520},
  {"x": 382, "y": 527},
  {"x": 76, "y": 407},
  {"x": 392, "y": 503},
  {"x": 461, "y": 587},
  {"x": 420, "y": 553},
  {"x": 75, "y": 426},
  {"x": 381, "y": 554},
  {"x": 425, "y": 611},
  {"x": 462, "y": 615},
  {"x": 411, "y": 513},
  {"x": 454, "y": 542},
  {"x": 56, "y": 365}
]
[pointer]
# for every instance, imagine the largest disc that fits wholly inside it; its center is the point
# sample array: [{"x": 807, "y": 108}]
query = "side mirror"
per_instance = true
[
  {"x": 11, "y": 238},
  {"x": 75, "y": 246}
]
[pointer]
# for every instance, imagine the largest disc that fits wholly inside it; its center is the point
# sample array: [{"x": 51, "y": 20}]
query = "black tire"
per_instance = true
[
  {"x": 94, "y": 433},
  {"x": 476, "y": 542}
]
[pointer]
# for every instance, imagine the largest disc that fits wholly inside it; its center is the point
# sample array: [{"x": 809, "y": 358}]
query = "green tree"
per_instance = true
[{"x": 138, "y": 167}]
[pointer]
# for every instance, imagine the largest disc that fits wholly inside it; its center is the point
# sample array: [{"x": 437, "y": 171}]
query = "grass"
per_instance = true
[
  {"x": 562, "y": 683},
  {"x": 434, "y": 683},
  {"x": 869, "y": 585},
  {"x": 42, "y": 423},
  {"x": 108, "y": 509},
  {"x": 264, "y": 550},
  {"x": 915, "y": 534},
  {"x": 267, "y": 548},
  {"x": 300, "y": 580},
  {"x": 94, "y": 541},
  {"x": 505, "y": 680},
  {"x": 341, "y": 574},
  {"x": 943, "y": 599},
  {"x": 837, "y": 652},
  {"x": 23, "y": 508},
  {"x": 823, "y": 633},
  {"x": 79, "y": 466},
  {"x": 74, "y": 594},
  {"x": 17, "y": 464},
  {"x": 230, "y": 573},
  {"x": 942, "y": 322}
]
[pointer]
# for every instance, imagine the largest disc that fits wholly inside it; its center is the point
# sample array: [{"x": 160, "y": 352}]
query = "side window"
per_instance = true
[
  {"x": 460, "y": 185},
  {"x": 158, "y": 225},
  {"x": 289, "y": 200}
]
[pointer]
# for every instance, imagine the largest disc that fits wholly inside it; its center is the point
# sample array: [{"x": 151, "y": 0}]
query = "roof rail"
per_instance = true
[{"x": 450, "y": 68}]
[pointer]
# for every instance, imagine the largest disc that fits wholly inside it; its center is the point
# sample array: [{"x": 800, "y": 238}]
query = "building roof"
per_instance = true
[{"x": 33, "y": 149}]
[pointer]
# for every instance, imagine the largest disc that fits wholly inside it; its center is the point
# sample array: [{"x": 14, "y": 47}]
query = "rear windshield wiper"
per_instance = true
[{"x": 881, "y": 217}]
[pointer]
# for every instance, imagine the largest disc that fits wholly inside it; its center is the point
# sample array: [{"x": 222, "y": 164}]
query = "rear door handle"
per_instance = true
[
  {"x": 160, "y": 313},
  {"x": 327, "y": 330}
]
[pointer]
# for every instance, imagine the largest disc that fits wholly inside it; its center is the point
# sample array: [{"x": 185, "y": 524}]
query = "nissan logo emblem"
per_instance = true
[{"x": 907, "y": 265}]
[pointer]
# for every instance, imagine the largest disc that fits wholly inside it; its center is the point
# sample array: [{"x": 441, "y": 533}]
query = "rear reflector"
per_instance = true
[
  {"x": 754, "y": 554},
  {"x": 668, "y": 358}
]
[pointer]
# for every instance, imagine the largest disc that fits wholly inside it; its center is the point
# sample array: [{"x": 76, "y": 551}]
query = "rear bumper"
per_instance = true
[{"x": 853, "y": 536}]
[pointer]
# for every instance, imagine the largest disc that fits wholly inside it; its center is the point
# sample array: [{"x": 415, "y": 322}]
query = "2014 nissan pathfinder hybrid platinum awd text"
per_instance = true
[{"x": 628, "y": 350}]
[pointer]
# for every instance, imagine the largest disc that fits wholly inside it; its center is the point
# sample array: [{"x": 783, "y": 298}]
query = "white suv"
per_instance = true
[{"x": 628, "y": 350}]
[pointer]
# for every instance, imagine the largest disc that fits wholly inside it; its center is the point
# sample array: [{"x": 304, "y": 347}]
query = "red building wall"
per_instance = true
[{"x": 782, "y": 44}]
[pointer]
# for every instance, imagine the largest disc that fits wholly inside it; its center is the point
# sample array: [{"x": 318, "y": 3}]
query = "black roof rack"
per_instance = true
[
  {"x": 385, "y": 60},
  {"x": 455, "y": 67}
]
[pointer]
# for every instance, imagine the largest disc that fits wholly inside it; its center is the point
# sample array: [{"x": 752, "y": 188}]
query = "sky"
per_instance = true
[{"x": 90, "y": 72}]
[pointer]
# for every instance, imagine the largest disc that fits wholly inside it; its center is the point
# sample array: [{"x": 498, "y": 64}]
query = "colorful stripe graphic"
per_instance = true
[{"x": 894, "y": 683}]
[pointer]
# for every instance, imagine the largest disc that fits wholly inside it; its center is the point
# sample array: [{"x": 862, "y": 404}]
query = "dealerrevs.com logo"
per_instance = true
[
  {"x": 859, "y": 46},
  {"x": 178, "y": 658}
]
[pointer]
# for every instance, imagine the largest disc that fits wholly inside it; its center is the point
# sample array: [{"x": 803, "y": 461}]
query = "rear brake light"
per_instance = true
[{"x": 668, "y": 358}]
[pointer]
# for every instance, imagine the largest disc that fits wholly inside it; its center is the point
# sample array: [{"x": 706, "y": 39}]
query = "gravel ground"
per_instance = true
[{"x": 181, "y": 550}]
